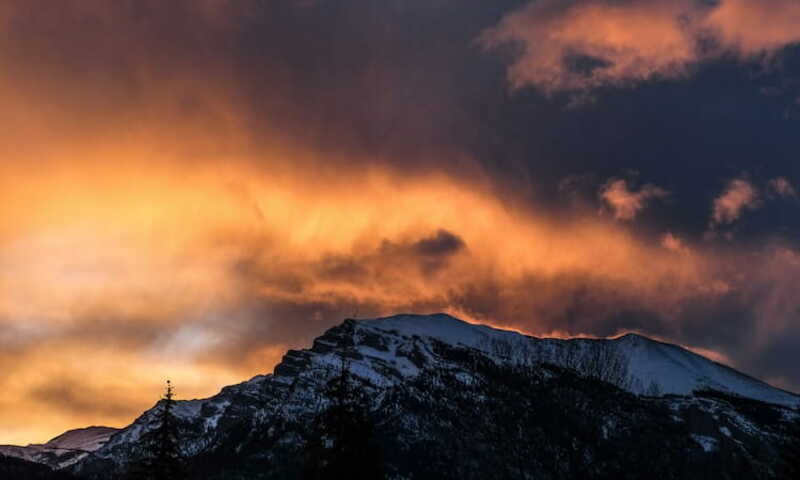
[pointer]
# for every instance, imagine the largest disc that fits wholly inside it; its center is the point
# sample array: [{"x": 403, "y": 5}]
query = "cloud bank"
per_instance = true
[{"x": 208, "y": 277}]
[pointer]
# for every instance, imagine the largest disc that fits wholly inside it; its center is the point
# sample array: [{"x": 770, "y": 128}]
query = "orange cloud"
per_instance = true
[
  {"x": 627, "y": 203},
  {"x": 738, "y": 195},
  {"x": 674, "y": 243},
  {"x": 148, "y": 270},
  {"x": 592, "y": 43},
  {"x": 749, "y": 28},
  {"x": 159, "y": 265}
]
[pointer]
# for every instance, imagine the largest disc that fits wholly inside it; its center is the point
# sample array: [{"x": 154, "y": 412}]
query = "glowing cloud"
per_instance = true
[
  {"x": 737, "y": 196},
  {"x": 218, "y": 270},
  {"x": 674, "y": 243},
  {"x": 627, "y": 203},
  {"x": 592, "y": 43}
]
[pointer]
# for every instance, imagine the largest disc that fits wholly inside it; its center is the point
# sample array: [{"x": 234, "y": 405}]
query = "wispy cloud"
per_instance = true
[
  {"x": 738, "y": 195},
  {"x": 782, "y": 187},
  {"x": 625, "y": 202},
  {"x": 673, "y": 243}
]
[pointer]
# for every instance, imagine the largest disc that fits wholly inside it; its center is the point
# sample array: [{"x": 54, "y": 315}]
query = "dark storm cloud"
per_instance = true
[
  {"x": 72, "y": 396},
  {"x": 428, "y": 255},
  {"x": 443, "y": 243}
]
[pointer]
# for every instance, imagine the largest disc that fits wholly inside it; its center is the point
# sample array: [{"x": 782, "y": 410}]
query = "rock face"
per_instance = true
[
  {"x": 456, "y": 400},
  {"x": 63, "y": 450}
]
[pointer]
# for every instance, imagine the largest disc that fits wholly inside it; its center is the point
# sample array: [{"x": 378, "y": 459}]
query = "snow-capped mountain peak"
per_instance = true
[
  {"x": 440, "y": 326},
  {"x": 652, "y": 366}
]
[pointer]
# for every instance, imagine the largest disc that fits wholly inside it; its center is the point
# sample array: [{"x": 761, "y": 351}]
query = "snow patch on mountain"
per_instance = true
[
  {"x": 88, "y": 439},
  {"x": 679, "y": 371}
]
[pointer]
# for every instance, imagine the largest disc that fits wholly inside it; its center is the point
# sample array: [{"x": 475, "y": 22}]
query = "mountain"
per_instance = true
[
  {"x": 63, "y": 450},
  {"x": 456, "y": 400}
]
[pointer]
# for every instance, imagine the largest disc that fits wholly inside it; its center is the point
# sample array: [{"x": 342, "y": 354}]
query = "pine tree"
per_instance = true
[
  {"x": 159, "y": 449},
  {"x": 343, "y": 442}
]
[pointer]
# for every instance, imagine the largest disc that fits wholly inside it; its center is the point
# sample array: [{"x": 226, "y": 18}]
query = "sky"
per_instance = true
[{"x": 189, "y": 188}]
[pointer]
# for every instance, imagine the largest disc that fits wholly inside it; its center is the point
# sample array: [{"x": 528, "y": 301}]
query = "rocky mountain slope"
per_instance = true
[{"x": 446, "y": 393}]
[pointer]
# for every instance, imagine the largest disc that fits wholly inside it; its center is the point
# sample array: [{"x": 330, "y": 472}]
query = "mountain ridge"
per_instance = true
[{"x": 392, "y": 356}]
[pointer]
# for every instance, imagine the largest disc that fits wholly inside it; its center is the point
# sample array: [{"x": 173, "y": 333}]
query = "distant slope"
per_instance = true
[{"x": 63, "y": 450}]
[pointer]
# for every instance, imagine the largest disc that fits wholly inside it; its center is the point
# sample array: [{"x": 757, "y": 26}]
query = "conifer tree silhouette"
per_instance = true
[
  {"x": 159, "y": 449},
  {"x": 343, "y": 442}
]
